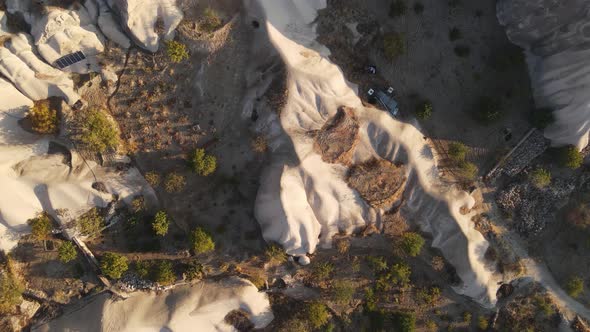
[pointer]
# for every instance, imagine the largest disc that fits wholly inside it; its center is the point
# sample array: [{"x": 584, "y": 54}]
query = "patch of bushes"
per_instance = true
[
  {"x": 412, "y": 243},
  {"x": 393, "y": 45},
  {"x": 424, "y": 110},
  {"x": 142, "y": 269},
  {"x": 429, "y": 296},
  {"x": 160, "y": 223},
  {"x": 44, "y": 119},
  {"x": 152, "y": 178},
  {"x": 322, "y": 271},
  {"x": 542, "y": 117},
  {"x": 202, "y": 163},
  {"x": 99, "y": 133},
  {"x": 397, "y": 8},
  {"x": 194, "y": 271},
  {"x": 317, "y": 314},
  {"x": 164, "y": 273},
  {"x": 138, "y": 204},
  {"x": 176, "y": 51},
  {"x": 174, "y": 183},
  {"x": 90, "y": 223},
  {"x": 67, "y": 252},
  {"x": 488, "y": 110},
  {"x": 378, "y": 264},
  {"x": 113, "y": 265},
  {"x": 405, "y": 321},
  {"x": 211, "y": 20},
  {"x": 462, "y": 51},
  {"x": 571, "y": 157},
  {"x": 540, "y": 178},
  {"x": 41, "y": 226},
  {"x": 11, "y": 291},
  {"x": 575, "y": 286},
  {"x": 201, "y": 241},
  {"x": 457, "y": 151},
  {"x": 370, "y": 300},
  {"x": 399, "y": 274},
  {"x": 343, "y": 291},
  {"x": 455, "y": 34}
]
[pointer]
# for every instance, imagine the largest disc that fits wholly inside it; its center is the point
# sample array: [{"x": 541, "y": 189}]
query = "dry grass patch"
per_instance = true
[
  {"x": 338, "y": 137},
  {"x": 378, "y": 181}
]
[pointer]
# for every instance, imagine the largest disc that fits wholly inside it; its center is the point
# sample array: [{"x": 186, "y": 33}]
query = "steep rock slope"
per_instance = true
[{"x": 556, "y": 36}]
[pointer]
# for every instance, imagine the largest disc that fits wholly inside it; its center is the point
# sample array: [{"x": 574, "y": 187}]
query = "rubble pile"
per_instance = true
[
  {"x": 131, "y": 282},
  {"x": 532, "y": 208},
  {"x": 533, "y": 147}
]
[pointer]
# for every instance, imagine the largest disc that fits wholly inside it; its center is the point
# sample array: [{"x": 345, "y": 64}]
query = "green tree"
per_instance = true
[
  {"x": 160, "y": 223},
  {"x": 541, "y": 178},
  {"x": 394, "y": 46},
  {"x": 571, "y": 157},
  {"x": 176, "y": 51},
  {"x": 400, "y": 274},
  {"x": 67, "y": 252},
  {"x": 575, "y": 286},
  {"x": 424, "y": 110},
  {"x": 202, "y": 163},
  {"x": 113, "y": 265},
  {"x": 44, "y": 120},
  {"x": 99, "y": 133},
  {"x": 201, "y": 241},
  {"x": 142, "y": 269},
  {"x": 317, "y": 314},
  {"x": 194, "y": 271},
  {"x": 41, "y": 226},
  {"x": 412, "y": 243},
  {"x": 90, "y": 223},
  {"x": 10, "y": 292},
  {"x": 405, "y": 321},
  {"x": 457, "y": 151},
  {"x": 164, "y": 274}
]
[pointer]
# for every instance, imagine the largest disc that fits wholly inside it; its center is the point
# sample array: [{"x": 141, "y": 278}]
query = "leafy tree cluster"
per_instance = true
[
  {"x": 67, "y": 252},
  {"x": 90, "y": 223},
  {"x": 412, "y": 243},
  {"x": 41, "y": 226},
  {"x": 398, "y": 274},
  {"x": 99, "y": 133},
  {"x": 160, "y": 223},
  {"x": 194, "y": 271},
  {"x": 202, "y": 163},
  {"x": 11, "y": 289},
  {"x": 317, "y": 314},
  {"x": 113, "y": 265},
  {"x": 164, "y": 273},
  {"x": 458, "y": 152},
  {"x": 201, "y": 241},
  {"x": 44, "y": 119}
]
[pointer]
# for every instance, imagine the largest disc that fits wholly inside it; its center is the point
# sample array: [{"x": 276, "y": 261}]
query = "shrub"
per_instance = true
[
  {"x": 211, "y": 20},
  {"x": 575, "y": 286},
  {"x": 488, "y": 110},
  {"x": 379, "y": 264},
  {"x": 174, "y": 183},
  {"x": 343, "y": 291},
  {"x": 176, "y": 51},
  {"x": 541, "y": 178},
  {"x": 397, "y": 8},
  {"x": 322, "y": 271},
  {"x": 164, "y": 274},
  {"x": 405, "y": 321},
  {"x": 438, "y": 263},
  {"x": 202, "y": 163},
  {"x": 67, "y": 252},
  {"x": 457, "y": 151},
  {"x": 467, "y": 317},
  {"x": 393, "y": 44},
  {"x": 90, "y": 223},
  {"x": 317, "y": 314},
  {"x": 160, "y": 223},
  {"x": 275, "y": 254},
  {"x": 99, "y": 133},
  {"x": 11, "y": 292},
  {"x": 142, "y": 269},
  {"x": 113, "y": 265},
  {"x": 482, "y": 323},
  {"x": 571, "y": 157},
  {"x": 138, "y": 204},
  {"x": 370, "y": 299},
  {"x": 412, "y": 243},
  {"x": 259, "y": 144},
  {"x": 462, "y": 51},
  {"x": 152, "y": 178},
  {"x": 41, "y": 226},
  {"x": 194, "y": 271},
  {"x": 43, "y": 119},
  {"x": 467, "y": 170},
  {"x": 418, "y": 8},
  {"x": 542, "y": 117},
  {"x": 342, "y": 245},
  {"x": 201, "y": 241},
  {"x": 424, "y": 110},
  {"x": 429, "y": 296},
  {"x": 455, "y": 34}
]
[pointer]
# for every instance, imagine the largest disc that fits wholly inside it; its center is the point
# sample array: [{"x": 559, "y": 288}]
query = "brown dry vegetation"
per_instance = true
[
  {"x": 378, "y": 181},
  {"x": 336, "y": 141}
]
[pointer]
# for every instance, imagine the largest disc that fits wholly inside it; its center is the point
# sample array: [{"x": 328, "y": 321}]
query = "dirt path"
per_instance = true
[{"x": 539, "y": 272}]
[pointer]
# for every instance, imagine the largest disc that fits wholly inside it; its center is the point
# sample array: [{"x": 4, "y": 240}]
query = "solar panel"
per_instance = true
[{"x": 70, "y": 59}]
